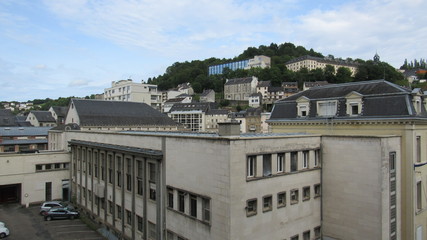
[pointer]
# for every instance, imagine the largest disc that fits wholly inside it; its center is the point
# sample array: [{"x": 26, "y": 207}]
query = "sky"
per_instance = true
[{"x": 52, "y": 49}]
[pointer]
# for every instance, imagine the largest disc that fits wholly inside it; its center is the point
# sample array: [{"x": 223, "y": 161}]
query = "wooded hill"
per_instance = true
[{"x": 196, "y": 72}]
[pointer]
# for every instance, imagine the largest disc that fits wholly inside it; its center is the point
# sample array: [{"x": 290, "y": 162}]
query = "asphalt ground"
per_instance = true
[{"x": 26, "y": 223}]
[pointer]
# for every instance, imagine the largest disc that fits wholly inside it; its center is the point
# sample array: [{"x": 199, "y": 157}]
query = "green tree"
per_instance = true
[{"x": 343, "y": 75}]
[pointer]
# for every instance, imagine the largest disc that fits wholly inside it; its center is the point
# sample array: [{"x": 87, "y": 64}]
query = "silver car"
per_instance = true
[
  {"x": 46, "y": 206},
  {"x": 4, "y": 231}
]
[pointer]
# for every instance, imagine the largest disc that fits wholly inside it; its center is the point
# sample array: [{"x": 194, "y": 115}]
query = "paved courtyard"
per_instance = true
[{"x": 27, "y": 223}]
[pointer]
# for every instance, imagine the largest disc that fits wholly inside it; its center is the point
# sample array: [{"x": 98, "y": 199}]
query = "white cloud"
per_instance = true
[{"x": 78, "y": 83}]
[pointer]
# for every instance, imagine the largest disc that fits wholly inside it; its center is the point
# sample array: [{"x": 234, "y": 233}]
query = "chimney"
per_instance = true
[{"x": 229, "y": 128}]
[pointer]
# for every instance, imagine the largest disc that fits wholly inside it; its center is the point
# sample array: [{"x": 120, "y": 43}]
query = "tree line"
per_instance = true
[{"x": 196, "y": 72}]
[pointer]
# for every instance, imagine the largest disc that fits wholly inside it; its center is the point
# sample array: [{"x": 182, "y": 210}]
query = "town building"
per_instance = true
[
  {"x": 240, "y": 89},
  {"x": 33, "y": 178},
  {"x": 258, "y": 61},
  {"x": 361, "y": 109},
  {"x": 290, "y": 88},
  {"x": 214, "y": 117},
  {"x": 185, "y": 88},
  {"x": 311, "y": 63},
  {"x": 191, "y": 115},
  {"x": 41, "y": 119},
  {"x": 7, "y": 118},
  {"x": 182, "y": 98},
  {"x": 23, "y": 139},
  {"x": 99, "y": 115},
  {"x": 129, "y": 91},
  {"x": 255, "y": 100},
  {"x": 59, "y": 114},
  {"x": 207, "y": 95}
]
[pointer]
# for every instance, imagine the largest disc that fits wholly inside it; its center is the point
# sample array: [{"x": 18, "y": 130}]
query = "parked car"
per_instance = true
[
  {"x": 4, "y": 231},
  {"x": 60, "y": 213},
  {"x": 46, "y": 206}
]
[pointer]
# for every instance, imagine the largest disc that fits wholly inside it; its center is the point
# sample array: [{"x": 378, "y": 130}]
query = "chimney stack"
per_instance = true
[{"x": 229, "y": 128}]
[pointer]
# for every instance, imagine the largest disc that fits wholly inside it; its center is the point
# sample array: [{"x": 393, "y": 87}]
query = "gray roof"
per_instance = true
[
  {"x": 380, "y": 99},
  {"x": 206, "y": 92},
  {"x": 117, "y": 113},
  {"x": 264, "y": 84},
  {"x": 315, "y": 84},
  {"x": 43, "y": 116},
  {"x": 275, "y": 89},
  {"x": 238, "y": 81},
  {"x": 217, "y": 112},
  {"x": 24, "y": 131},
  {"x": 7, "y": 118},
  {"x": 194, "y": 106},
  {"x": 60, "y": 111},
  {"x": 23, "y": 141}
]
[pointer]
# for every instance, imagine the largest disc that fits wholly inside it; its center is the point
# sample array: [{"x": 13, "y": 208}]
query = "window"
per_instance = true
[
  {"x": 296, "y": 237},
  {"x": 48, "y": 166},
  {"x": 119, "y": 171},
  {"x": 294, "y": 161},
  {"x": 89, "y": 156},
  {"x": 267, "y": 203},
  {"x": 152, "y": 230},
  {"x": 281, "y": 199},
  {"x": 317, "y": 191},
  {"x": 119, "y": 212},
  {"x": 102, "y": 166},
  {"x": 206, "y": 207},
  {"x": 152, "y": 180},
  {"x": 326, "y": 108},
  {"x": 418, "y": 149},
  {"x": 96, "y": 164},
  {"x": 280, "y": 162},
  {"x": 303, "y": 111},
  {"x": 266, "y": 165},
  {"x": 128, "y": 174},
  {"x": 294, "y": 196},
  {"x": 306, "y": 235},
  {"x": 140, "y": 223},
  {"x": 193, "y": 205},
  {"x": 392, "y": 162},
  {"x": 139, "y": 178},
  {"x": 317, "y": 232},
  {"x": 110, "y": 169},
  {"x": 128, "y": 217},
  {"x": 419, "y": 196},
  {"x": 251, "y": 166},
  {"x": 306, "y": 193},
  {"x": 39, "y": 167},
  {"x": 354, "y": 109},
  {"x": 305, "y": 159},
  {"x": 251, "y": 207},
  {"x": 170, "y": 197},
  {"x": 181, "y": 201},
  {"x": 317, "y": 158},
  {"x": 111, "y": 207}
]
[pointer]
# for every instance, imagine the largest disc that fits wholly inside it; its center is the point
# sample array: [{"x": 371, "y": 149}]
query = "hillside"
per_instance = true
[{"x": 196, "y": 72}]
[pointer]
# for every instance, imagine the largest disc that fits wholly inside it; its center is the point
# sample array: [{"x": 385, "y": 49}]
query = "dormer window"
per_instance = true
[
  {"x": 303, "y": 107},
  {"x": 354, "y": 104},
  {"x": 327, "y": 108}
]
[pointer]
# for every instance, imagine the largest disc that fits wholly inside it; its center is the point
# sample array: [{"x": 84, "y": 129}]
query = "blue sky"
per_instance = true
[{"x": 76, "y": 48}]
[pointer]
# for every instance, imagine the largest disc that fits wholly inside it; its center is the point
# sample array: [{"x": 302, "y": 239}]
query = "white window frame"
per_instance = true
[
  {"x": 251, "y": 166},
  {"x": 305, "y": 159},
  {"x": 327, "y": 112}
]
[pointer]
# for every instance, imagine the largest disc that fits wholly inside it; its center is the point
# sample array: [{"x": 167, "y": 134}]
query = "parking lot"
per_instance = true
[{"x": 27, "y": 223}]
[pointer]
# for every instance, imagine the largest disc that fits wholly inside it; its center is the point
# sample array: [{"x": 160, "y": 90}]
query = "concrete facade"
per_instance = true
[{"x": 32, "y": 173}]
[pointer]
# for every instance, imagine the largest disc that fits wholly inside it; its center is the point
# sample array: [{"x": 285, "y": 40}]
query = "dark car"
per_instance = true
[{"x": 60, "y": 213}]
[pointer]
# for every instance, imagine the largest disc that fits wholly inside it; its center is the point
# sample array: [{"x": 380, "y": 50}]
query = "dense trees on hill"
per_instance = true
[{"x": 196, "y": 72}]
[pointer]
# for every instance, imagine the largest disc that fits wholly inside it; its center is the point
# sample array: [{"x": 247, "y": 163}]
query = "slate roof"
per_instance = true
[
  {"x": 43, "y": 116},
  {"x": 275, "y": 89},
  {"x": 217, "y": 112},
  {"x": 7, "y": 118},
  {"x": 380, "y": 99},
  {"x": 206, "y": 92},
  {"x": 117, "y": 113},
  {"x": 264, "y": 84},
  {"x": 315, "y": 84},
  {"x": 24, "y": 131},
  {"x": 239, "y": 81},
  {"x": 60, "y": 111},
  {"x": 194, "y": 106}
]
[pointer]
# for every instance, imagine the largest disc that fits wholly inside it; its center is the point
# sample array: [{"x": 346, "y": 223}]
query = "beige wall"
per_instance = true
[
  {"x": 21, "y": 169},
  {"x": 356, "y": 189}
]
